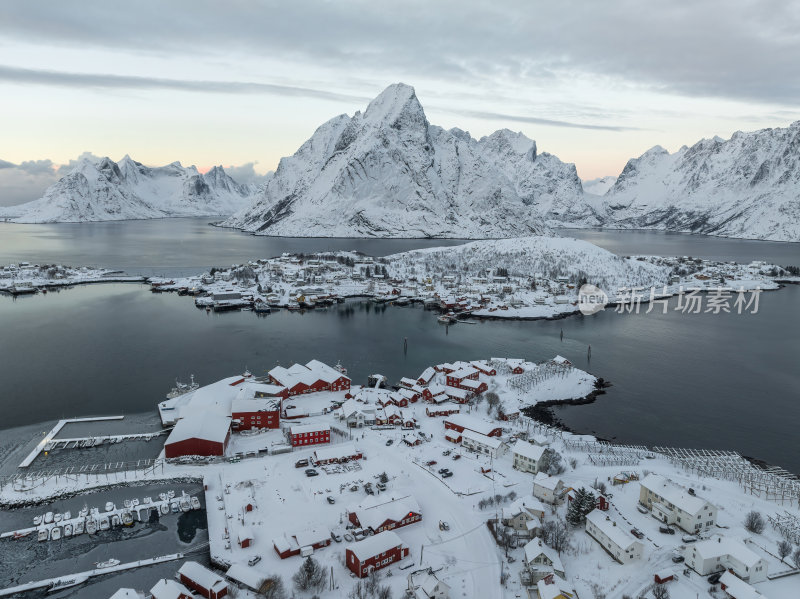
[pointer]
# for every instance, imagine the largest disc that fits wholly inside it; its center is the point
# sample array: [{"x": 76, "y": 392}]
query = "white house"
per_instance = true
[
  {"x": 525, "y": 516},
  {"x": 425, "y": 585},
  {"x": 542, "y": 559},
  {"x": 554, "y": 587},
  {"x": 613, "y": 538},
  {"x": 356, "y": 414},
  {"x": 547, "y": 488},
  {"x": 722, "y": 553},
  {"x": 527, "y": 456},
  {"x": 491, "y": 446},
  {"x": 673, "y": 504}
]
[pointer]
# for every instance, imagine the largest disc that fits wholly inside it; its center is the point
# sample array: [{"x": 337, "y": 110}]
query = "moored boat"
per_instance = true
[
  {"x": 165, "y": 508},
  {"x": 104, "y": 523},
  {"x": 43, "y": 534},
  {"x": 195, "y": 503},
  {"x": 91, "y": 526},
  {"x": 109, "y": 506},
  {"x": 79, "y": 526},
  {"x": 127, "y": 518},
  {"x": 67, "y": 582},
  {"x": 116, "y": 520},
  {"x": 22, "y": 535},
  {"x": 68, "y": 529},
  {"x": 184, "y": 504},
  {"x": 48, "y": 517},
  {"x": 55, "y": 534},
  {"x": 109, "y": 563},
  {"x": 37, "y": 520}
]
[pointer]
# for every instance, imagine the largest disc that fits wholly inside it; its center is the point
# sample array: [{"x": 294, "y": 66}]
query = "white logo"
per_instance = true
[{"x": 591, "y": 299}]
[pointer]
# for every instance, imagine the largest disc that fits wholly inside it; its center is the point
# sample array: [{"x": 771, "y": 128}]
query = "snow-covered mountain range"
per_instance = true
[
  {"x": 388, "y": 172},
  {"x": 747, "y": 186},
  {"x": 107, "y": 190}
]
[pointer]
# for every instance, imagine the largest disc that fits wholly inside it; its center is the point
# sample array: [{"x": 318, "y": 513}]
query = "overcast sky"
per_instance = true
[{"x": 244, "y": 83}]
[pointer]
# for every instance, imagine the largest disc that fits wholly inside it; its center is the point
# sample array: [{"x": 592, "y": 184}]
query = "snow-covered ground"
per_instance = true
[
  {"x": 52, "y": 275},
  {"x": 466, "y": 557}
]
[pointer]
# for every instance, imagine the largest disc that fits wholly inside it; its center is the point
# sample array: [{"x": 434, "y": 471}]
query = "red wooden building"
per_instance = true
[
  {"x": 247, "y": 414},
  {"x": 386, "y": 515},
  {"x": 202, "y": 433},
  {"x": 202, "y": 580},
  {"x": 169, "y": 589},
  {"x": 459, "y": 422},
  {"x": 374, "y": 553},
  {"x": 337, "y": 454},
  {"x": 309, "y": 378},
  {"x": 310, "y": 434},
  {"x": 454, "y": 378},
  {"x": 289, "y": 545},
  {"x": 426, "y": 376}
]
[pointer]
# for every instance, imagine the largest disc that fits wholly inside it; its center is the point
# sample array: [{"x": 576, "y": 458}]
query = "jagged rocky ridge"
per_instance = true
[
  {"x": 106, "y": 190},
  {"x": 388, "y": 172}
]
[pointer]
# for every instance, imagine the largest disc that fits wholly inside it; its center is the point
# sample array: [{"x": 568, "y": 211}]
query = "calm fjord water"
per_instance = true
[{"x": 716, "y": 381}]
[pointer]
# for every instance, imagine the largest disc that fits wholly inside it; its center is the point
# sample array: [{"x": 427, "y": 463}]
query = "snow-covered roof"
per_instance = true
[
  {"x": 407, "y": 381},
  {"x": 375, "y": 510},
  {"x": 616, "y": 534},
  {"x": 309, "y": 374},
  {"x": 202, "y": 576},
  {"x": 247, "y": 575},
  {"x": 463, "y": 373},
  {"x": 536, "y": 547},
  {"x": 528, "y": 502},
  {"x": 545, "y": 480},
  {"x": 472, "y": 423},
  {"x": 674, "y": 494},
  {"x": 201, "y": 424},
  {"x": 168, "y": 589},
  {"x": 310, "y": 536},
  {"x": 127, "y": 594},
  {"x": 437, "y": 389},
  {"x": 457, "y": 392},
  {"x": 254, "y": 405},
  {"x": 470, "y": 384},
  {"x": 721, "y": 546},
  {"x": 300, "y": 429},
  {"x": 427, "y": 374},
  {"x": 559, "y": 587},
  {"x": 335, "y": 452},
  {"x": 738, "y": 588},
  {"x": 491, "y": 442},
  {"x": 375, "y": 545},
  {"x": 528, "y": 450},
  {"x": 430, "y": 583}
]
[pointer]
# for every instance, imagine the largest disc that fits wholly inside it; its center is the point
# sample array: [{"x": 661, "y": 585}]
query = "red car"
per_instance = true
[
  {"x": 431, "y": 463},
  {"x": 637, "y": 533}
]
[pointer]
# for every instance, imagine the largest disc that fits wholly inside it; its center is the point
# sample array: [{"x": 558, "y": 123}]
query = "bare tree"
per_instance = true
[
  {"x": 384, "y": 593},
  {"x": 373, "y": 582},
  {"x": 754, "y": 522},
  {"x": 358, "y": 591},
  {"x": 273, "y": 588},
  {"x": 556, "y": 534},
  {"x": 310, "y": 576},
  {"x": 492, "y": 401},
  {"x": 660, "y": 591},
  {"x": 784, "y": 549},
  {"x": 597, "y": 591},
  {"x": 796, "y": 557}
]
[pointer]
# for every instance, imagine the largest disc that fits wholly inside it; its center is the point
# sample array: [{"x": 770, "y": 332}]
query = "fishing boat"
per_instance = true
[
  {"x": 37, "y": 520},
  {"x": 48, "y": 517},
  {"x": 79, "y": 526},
  {"x": 43, "y": 534},
  {"x": 68, "y": 530},
  {"x": 162, "y": 496},
  {"x": 134, "y": 502},
  {"x": 182, "y": 388},
  {"x": 165, "y": 508},
  {"x": 67, "y": 582},
  {"x": 195, "y": 503},
  {"x": 57, "y": 517},
  {"x": 104, "y": 523},
  {"x": 127, "y": 503},
  {"x": 127, "y": 518},
  {"x": 55, "y": 534},
  {"x": 116, "y": 520},
  {"x": 147, "y": 500},
  {"x": 109, "y": 563},
  {"x": 175, "y": 507},
  {"x": 67, "y": 515},
  {"x": 445, "y": 319},
  {"x": 261, "y": 307},
  {"x": 22, "y": 288},
  {"x": 184, "y": 504},
  {"x": 91, "y": 526},
  {"x": 109, "y": 506},
  {"x": 340, "y": 368},
  {"x": 170, "y": 494},
  {"x": 84, "y": 511},
  {"x": 22, "y": 535}
]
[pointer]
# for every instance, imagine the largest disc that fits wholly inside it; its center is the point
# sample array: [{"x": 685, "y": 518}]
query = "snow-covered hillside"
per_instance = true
[
  {"x": 106, "y": 190},
  {"x": 535, "y": 256},
  {"x": 600, "y": 185},
  {"x": 747, "y": 186},
  {"x": 387, "y": 172}
]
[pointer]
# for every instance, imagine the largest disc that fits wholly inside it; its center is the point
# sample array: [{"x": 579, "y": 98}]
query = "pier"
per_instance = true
[
  {"x": 48, "y": 438},
  {"x": 80, "y": 442},
  {"x": 82, "y": 577}
]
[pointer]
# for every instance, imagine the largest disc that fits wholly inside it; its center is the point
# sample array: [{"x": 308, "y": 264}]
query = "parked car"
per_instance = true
[
  {"x": 381, "y": 486},
  {"x": 335, "y": 537},
  {"x": 714, "y": 578},
  {"x": 254, "y": 560},
  {"x": 447, "y": 474},
  {"x": 331, "y": 500},
  {"x": 637, "y": 533},
  {"x": 301, "y": 463},
  {"x": 447, "y": 452},
  {"x": 642, "y": 509},
  {"x": 443, "y": 470},
  {"x": 359, "y": 534},
  {"x": 368, "y": 489},
  {"x": 689, "y": 539},
  {"x": 443, "y": 525},
  {"x": 457, "y": 456},
  {"x": 677, "y": 558},
  {"x": 666, "y": 530},
  {"x": 311, "y": 472},
  {"x": 430, "y": 463},
  {"x": 389, "y": 442}
]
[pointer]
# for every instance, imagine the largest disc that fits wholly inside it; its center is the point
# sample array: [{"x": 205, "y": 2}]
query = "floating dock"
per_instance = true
[
  {"x": 80, "y": 442},
  {"x": 69, "y": 580},
  {"x": 48, "y": 438}
]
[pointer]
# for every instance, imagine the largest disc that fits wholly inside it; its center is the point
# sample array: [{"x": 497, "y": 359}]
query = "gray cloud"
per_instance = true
[
  {"x": 109, "y": 81},
  {"x": 742, "y": 50},
  {"x": 498, "y": 116},
  {"x": 246, "y": 173}
]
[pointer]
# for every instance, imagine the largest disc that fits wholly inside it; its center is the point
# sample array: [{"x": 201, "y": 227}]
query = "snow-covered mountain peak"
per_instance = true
[
  {"x": 398, "y": 102},
  {"x": 505, "y": 141}
]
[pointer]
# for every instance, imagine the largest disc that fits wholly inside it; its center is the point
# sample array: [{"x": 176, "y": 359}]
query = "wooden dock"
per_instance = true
[
  {"x": 82, "y": 442},
  {"x": 48, "y": 438},
  {"x": 82, "y": 577}
]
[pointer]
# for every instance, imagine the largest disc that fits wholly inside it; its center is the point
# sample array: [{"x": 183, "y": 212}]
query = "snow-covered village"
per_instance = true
[{"x": 444, "y": 300}]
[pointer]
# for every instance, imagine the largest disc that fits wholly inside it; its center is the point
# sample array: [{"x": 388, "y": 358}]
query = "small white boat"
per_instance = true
[
  {"x": 195, "y": 503},
  {"x": 67, "y": 515},
  {"x": 48, "y": 517},
  {"x": 37, "y": 520},
  {"x": 170, "y": 494},
  {"x": 57, "y": 517},
  {"x": 109, "y": 563},
  {"x": 104, "y": 523},
  {"x": 22, "y": 535},
  {"x": 165, "y": 508},
  {"x": 109, "y": 506},
  {"x": 55, "y": 534},
  {"x": 116, "y": 520},
  {"x": 175, "y": 507},
  {"x": 67, "y": 582},
  {"x": 147, "y": 500},
  {"x": 79, "y": 526},
  {"x": 127, "y": 518},
  {"x": 134, "y": 502},
  {"x": 162, "y": 496},
  {"x": 91, "y": 526},
  {"x": 44, "y": 534},
  {"x": 84, "y": 511},
  {"x": 68, "y": 530},
  {"x": 127, "y": 503},
  {"x": 184, "y": 504}
]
